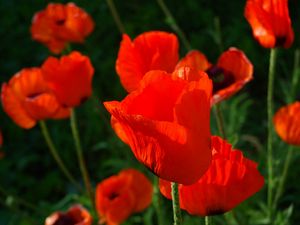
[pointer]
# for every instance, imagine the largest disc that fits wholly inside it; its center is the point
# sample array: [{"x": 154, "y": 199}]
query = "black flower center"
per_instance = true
[
  {"x": 34, "y": 95},
  {"x": 60, "y": 22},
  {"x": 65, "y": 220},
  {"x": 221, "y": 79},
  {"x": 113, "y": 195}
]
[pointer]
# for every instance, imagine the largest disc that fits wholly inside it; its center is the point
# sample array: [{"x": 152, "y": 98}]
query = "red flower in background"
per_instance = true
[
  {"x": 230, "y": 180},
  {"x": 270, "y": 22},
  {"x": 76, "y": 215},
  {"x": 59, "y": 24},
  {"x": 166, "y": 122},
  {"x": 70, "y": 78},
  {"x": 26, "y": 99},
  {"x": 119, "y": 196},
  {"x": 232, "y": 71},
  {"x": 287, "y": 123},
  {"x": 154, "y": 50}
]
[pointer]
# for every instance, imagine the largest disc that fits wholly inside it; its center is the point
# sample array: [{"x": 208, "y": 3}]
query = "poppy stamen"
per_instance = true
[
  {"x": 113, "y": 196},
  {"x": 60, "y": 22},
  {"x": 221, "y": 79},
  {"x": 65, "y": 220}
]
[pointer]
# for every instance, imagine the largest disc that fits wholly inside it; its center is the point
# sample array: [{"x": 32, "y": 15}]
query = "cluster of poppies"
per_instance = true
[{"x": 165, "y": 118}]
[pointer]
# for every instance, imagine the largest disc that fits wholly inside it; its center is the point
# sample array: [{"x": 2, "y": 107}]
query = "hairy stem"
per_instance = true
[
  {"x": 220, "y": 120},
  {"x": 173, "y": 24},
  {"x": 55, "y": 154},
  {"x": 176, "y": 205},
  {"x": 286, "y": 165},
  {"x": 116, "y": 16},
  {"x": 81, "y": 161},
  {"x": 272, "y": 64}
]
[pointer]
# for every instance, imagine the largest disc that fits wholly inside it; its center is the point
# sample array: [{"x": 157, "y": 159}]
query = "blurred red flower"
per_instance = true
[
  {"x": 166, "y": 122},
  {"x": 231, "y": 179},
  {"x": 70, "y": 78},
  {"x": 59, "y": 24},
  {"x": 270, "y": 22},
  {"x": 119, "y": 196},
  {"x": 229, "y": 75},
  {"x": 154, "y": 50},
  {"x": 76, "y": 215},
  {"x": 26, "y": 99},
  {"x": 287, "y": 123}
]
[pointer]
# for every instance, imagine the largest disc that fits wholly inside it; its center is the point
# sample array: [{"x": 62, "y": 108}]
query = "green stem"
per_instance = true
[
  {"x": 295, "y": 78},
  {"x": 207, "y": 220},
  {"x": 218, "y": 34},
  {"x": 116, "y": 16},
  {"x": 220, "y": 121},
  {"x": 157, "y": 202},
  {"x": 172, "y": 22},
  {"x": 176, "y": 205},
  {"x": 80, "y": 157},
  {"x": 55, "y": 154},
  {"x": 272, "y": 64},
  {"x": 287, "y": 163}
]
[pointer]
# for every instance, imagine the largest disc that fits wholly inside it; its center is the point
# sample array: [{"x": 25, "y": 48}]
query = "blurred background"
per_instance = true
[{"x": 28, "y": 171}]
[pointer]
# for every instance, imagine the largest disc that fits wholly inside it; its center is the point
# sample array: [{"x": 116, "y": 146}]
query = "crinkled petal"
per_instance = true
[
  {"x": 45, "y": 106},
  {"x": 194, "y": 59},
  {"x": 235, "y": 63},
  {"x": 70, "y": 78},
  {"x": 141, "y": 188},
  {"x": 153, "y": 50},
  {"x": 230, "y": 179},
  {"x": 13, "y": 107},
  {"x": 261, "y": 25},
  {"x": 114, "y": 200},
  {"x": 287, "y": 123}
]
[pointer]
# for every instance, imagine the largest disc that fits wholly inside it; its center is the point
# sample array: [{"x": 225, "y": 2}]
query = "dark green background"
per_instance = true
[{"x": 29, "y": 171}]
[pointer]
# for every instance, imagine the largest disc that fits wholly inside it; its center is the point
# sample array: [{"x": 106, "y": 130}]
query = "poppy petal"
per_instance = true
[
  {"x": 230, "y": 179},
  {"x": 59, "y": 24},
  {"x": 70, "y": 78},
  {"x": 78, "y": 22},
  {"x": 260, "y": 22},
  {"x": 114, "y": 200},
  {"x": 270, "y": 22},
  {"x": 287, "y": 123},
  {"x": 76, "y": 215},
  {"x": 194, "y": 59},
  {"x": 235, "y": 63},
  {"x": 152, "y": 142},
  {"x": 141, "y": 187},
  {"x": 153, "y": 50},
  {"x": 128, "y": 65},
  {"x": 159, "y": 127},
  {"x": 45, "y": 106},
  {"x": 13, "y": 107}
]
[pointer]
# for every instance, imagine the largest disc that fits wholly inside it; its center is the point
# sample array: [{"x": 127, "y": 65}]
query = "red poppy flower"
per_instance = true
[
  {"x": 287, "y": 123},
  {"x": 59, "y": 24},
  {"x": 76, "y": 215},
  {"x": 229, "y": 75},
  {"x": 70, "y": 78},
  {"x": 119, "y": 196},
  {"x": 270, "y": 22},
  {"x": 26, "y": 99},
  {"x": 230, "y": 179},
  {"x": 166, "y": 123},
  {"x": 154, "y": 50}
]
